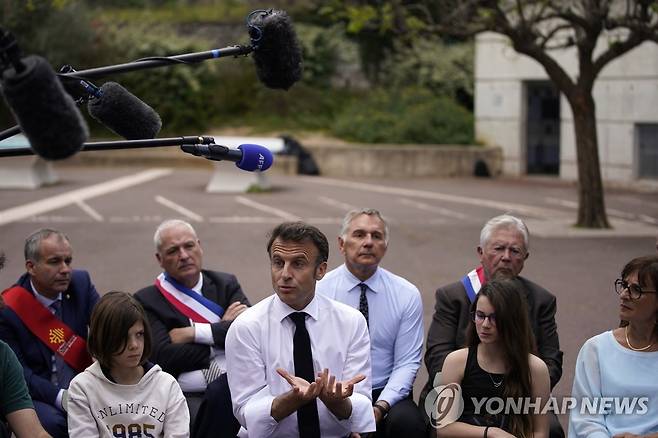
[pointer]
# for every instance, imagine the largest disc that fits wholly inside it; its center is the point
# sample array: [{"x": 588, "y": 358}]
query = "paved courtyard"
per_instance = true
[{"x": 110, "y": 215}]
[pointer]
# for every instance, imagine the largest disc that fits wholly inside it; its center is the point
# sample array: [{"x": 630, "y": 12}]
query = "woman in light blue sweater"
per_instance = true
[{"x": 616, "y": 380}]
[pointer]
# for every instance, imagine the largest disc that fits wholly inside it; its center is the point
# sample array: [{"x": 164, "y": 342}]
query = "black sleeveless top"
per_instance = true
[{"x": 487, "y": 390}]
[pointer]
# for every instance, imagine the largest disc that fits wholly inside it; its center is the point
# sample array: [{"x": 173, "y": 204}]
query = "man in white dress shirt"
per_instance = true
[
  {"x": 394, "y": 311},
  {"x": 299, "y": 363}
]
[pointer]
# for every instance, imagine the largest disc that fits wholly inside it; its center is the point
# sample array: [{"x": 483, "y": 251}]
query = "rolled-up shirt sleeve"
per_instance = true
[
  {"x": 358, "y": 362},
  {"x": 407, "y": 353},
  {"x": 246, "y": 372}
]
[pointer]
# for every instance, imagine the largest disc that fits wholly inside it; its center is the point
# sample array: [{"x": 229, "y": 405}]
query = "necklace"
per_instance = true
[
  {"x": 629, "y": 343},
  {"x": 493, "y": 382}
]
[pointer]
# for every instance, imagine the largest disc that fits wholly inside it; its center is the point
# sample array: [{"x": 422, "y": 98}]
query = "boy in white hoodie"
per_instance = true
[{"x": 121, "y": 395}]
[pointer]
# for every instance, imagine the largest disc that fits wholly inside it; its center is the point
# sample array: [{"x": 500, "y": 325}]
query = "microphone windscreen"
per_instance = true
[
  {"x": 46, "y": 114},
  {"x": 255, "y": 157},
  {"x": 277, "y": 55},
  {"x": 124, "y": 113}
]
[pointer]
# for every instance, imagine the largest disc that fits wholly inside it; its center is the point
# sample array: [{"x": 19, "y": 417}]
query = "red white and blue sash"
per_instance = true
[
  {"x": 187, "y": 301},
  {"x": 473, "y": 282}
]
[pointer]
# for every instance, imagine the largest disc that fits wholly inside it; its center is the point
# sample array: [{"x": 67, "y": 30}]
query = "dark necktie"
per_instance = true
[
  {"x": 307, "y": 416},
  {"x": 63, "y": 374},
  {"x": 56, "y": 307},
  {"x": 363, "y": 302}
]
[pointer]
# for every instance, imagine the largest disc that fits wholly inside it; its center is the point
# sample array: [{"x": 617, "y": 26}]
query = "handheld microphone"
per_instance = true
[
  {"x": 45, "y": 112},
  {"x": 277, "y": 53},
  {"x": 248, "y": 157},
  {"x": 124, "y": 113}
]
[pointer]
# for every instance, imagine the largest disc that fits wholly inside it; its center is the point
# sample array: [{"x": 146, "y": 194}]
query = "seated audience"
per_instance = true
[
  {"x": 299, "y": 362},
  {"x": 498, "y": 364},
  {"x": 189, "y": 311},
  {"x": 503, "y": 249},
  {"x": 121, "y": 394},
  {"x": 16, "y": 408},
  {"x": 393, "y": 310},
  {"x": 45, "y": 322},
  {"x": 622, "y": 363}
]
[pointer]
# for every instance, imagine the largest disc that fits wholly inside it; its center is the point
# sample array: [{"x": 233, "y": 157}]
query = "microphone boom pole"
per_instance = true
[
  {"x": 116, "y": 145},
  {"x": 142, "y": 64}
]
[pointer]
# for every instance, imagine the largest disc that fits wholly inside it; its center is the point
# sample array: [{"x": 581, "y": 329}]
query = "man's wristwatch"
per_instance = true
[{"x": 381, "y": 407}]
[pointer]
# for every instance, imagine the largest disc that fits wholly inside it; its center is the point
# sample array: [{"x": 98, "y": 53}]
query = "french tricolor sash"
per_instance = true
[
  {"x": 56, "y": 335},
  {"x": 187, "y": 301},
  {"x": 473, "y": 282}
]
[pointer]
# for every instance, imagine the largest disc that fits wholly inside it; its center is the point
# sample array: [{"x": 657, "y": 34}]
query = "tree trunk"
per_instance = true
[{"x": 591, "y": 205}]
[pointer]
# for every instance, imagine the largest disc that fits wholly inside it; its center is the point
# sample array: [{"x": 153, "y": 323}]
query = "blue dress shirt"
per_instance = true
[{"x": 396, "y": 326}]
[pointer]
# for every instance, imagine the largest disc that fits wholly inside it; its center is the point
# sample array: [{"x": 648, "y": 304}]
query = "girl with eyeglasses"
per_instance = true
[
  {"x": 498, "y": 367},
  {"x": 621, "y": 365}
]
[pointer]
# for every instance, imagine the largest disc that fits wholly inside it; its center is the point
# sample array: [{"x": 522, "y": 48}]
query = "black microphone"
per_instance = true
[
  {"x": 247, "y": 156},
  {"x": 277, "y": 52},
  {"x": 45, "y": 112},
  {"x": 124, "y": 113}
]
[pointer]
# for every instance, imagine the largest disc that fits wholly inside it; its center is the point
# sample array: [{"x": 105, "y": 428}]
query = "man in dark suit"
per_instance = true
[
  {"x": 50, "y": 295},
  {"x": 190, "y": 310},
  {"x": 503, "y": 250}
]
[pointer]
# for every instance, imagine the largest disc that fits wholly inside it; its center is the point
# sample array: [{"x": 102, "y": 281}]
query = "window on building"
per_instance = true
[{"x": 646, "y": 135}]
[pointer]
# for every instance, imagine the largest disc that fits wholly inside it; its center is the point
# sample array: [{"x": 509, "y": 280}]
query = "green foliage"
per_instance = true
[
  {"x": 445, "y": 69},
  {"x": 325, "y": 50},
  {"x": 181, "y": 94},
  {"x": 49, "y": 28},
  {"x": 128, "y": 11},
  {"x": 411, "y": 115}
]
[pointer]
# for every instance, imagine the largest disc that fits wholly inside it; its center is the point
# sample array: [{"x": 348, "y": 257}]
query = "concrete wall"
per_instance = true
[
  {"x": 626, "y": 93},
  {"x": 353, "y": 160}
]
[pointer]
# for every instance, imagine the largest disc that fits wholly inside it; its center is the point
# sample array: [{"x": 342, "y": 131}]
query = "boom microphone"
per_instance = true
[
  {"x": 277, "y": 53},
  {"x": 124, "y": 113},
  {"x": 45, "y": 112},
  {"x": 246, "y": 157}
]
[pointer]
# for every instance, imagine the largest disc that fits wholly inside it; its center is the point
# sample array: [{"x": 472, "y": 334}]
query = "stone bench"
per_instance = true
[
  {"x": 227, "y": 178},
  {"x": 28, "y": 172}
]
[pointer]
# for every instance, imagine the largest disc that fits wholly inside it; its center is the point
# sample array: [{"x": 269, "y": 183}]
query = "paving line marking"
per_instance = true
[
  {"x": 244, "y": 220},
  {"x": 266, "y": 208},
  {"x": 325, "y": 220},
  {"x": 269, "y": 220},
  {"x": 478, "y": 202},
  {"x": 611, "y": 211},
  {"x": 336, "y": 203},
  {"x": 433, "y": 209},
  {"x": 649, "y": 219},
  {"x": 58, "y": 201},
  {"x": 90, "y": 211},
  {"x": 179, "y": 208},
  {"x": 561, "y": 202}
]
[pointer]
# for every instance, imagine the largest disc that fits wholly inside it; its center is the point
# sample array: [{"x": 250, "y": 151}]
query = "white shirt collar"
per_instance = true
[
  {"x": 197, "y": 287},
  {"x": 281, "y": 310},
  {"x": 374, "y": 282},
  {"x": 42, "y": 298}
]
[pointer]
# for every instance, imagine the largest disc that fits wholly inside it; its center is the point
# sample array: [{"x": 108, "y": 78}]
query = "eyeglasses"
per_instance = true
[
  {"x": 634, "y": 290},
  {"x": 479, "y": 317}
]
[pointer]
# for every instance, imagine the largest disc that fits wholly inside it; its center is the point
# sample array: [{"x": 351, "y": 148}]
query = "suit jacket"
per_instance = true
[
  {"x": 219, "y": 287},
  {"x": 77, "y": 303},
  {"x": 447, "y": 331}
]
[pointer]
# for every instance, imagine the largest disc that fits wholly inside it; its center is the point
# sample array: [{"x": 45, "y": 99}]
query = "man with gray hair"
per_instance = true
[
  {"x": 503, "y": 250},
  {"x": 189, "y": 310},
  {"x": 45, "y": 321},
  {"x": 393, "y": 309}
]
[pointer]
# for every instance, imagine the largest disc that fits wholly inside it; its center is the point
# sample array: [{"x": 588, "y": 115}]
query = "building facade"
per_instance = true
[{"x": 520, "y": 110}]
